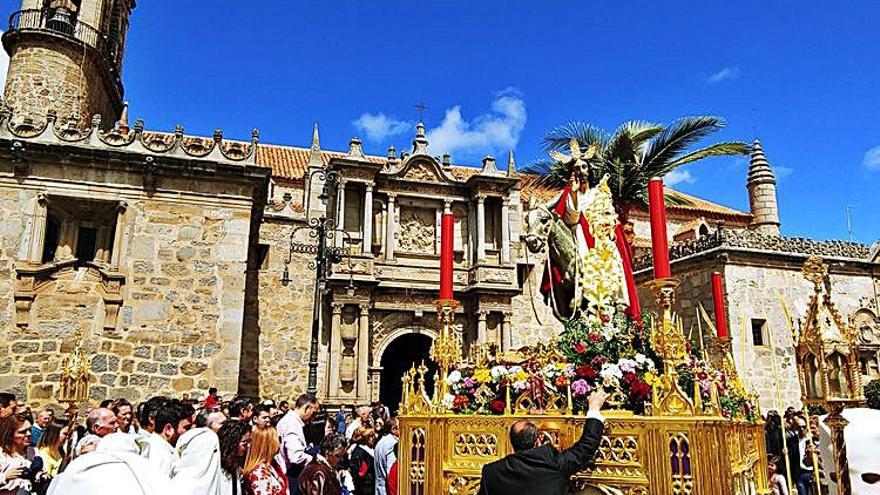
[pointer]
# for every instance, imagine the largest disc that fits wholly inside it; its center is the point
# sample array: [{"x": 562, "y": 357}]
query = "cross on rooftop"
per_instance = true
[{"x": 421, "y": 108}]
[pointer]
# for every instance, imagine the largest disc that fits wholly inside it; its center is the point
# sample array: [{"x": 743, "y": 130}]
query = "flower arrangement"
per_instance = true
[{"x": 609, "y": 352}]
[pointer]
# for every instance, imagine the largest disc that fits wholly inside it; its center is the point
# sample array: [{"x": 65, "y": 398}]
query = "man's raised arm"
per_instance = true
[{"x": 575, "y": 458}]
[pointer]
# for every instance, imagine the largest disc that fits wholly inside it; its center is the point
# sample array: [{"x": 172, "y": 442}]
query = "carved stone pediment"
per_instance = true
[{"x": 419, "y": 168}]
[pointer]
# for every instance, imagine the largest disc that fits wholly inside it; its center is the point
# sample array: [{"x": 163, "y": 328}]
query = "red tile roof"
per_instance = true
[{"x": 290, "y": 163}]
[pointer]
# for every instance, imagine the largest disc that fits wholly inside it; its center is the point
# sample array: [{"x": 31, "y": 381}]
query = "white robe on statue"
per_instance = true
[
  {"x": 198, "y": 470},
  {"x": 115, "y": 468}
]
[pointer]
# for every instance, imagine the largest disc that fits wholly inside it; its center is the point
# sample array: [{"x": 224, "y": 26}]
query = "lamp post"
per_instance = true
[{"x": 321, "y": 230}]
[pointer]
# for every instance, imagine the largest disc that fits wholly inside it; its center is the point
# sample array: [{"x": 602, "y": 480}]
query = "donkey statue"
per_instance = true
[{"x": 547, "y": 233}]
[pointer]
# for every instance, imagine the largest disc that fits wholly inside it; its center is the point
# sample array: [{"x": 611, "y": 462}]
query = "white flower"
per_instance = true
[
  {"x": 453, "y": 377},
  {"x": 610, "y": 374},
  {"x": 520, "y": 386},
  {"x": 448, "y": 400},
  {"x": 498, "y": 372},
  {"x": 640, "y": 358},
  {"x": 626, "y": 365}
]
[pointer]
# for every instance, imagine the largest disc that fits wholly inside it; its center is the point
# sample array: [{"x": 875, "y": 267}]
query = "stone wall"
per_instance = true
[
  {"x": 49, "y": 75},
  {"x": 184, "y": 261},
  {"x": 752, "y": 290},
  {"x": 532, "y": 319},
  {"x": 278, "y": 319}
]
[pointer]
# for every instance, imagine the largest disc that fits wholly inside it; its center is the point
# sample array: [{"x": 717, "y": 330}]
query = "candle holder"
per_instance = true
[
  {"x": 667, "y": 339},
  {"x": 446, "y": 349}
]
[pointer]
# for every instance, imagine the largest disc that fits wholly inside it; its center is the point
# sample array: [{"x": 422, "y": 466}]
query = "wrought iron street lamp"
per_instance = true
[{"x": 321, "y": 230}]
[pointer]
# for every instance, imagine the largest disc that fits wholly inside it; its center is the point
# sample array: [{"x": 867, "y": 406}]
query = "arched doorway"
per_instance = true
[{"x": 401, "y": 354}]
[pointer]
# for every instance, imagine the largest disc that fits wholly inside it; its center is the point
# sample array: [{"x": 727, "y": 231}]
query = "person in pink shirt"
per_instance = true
[{"x": 293, "y": 457}]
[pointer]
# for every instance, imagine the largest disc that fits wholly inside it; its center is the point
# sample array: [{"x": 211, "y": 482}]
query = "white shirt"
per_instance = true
[
  {"x": 352, "y": 428},
  {"x": 162, "y": 456},
  {"x": 384, "y": 458},
  {"x": 293, "y": 441},
  {"x": 802, "y": 447}
]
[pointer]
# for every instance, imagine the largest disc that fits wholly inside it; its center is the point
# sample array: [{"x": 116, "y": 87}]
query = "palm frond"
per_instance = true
[
  {"x": 550, "y": 173},
  {"x": 628, "y": 140},
  {"x": 675, "y": 139},
  {"x": 719, "y": 149},
  {"x": 586, "y": 134}
]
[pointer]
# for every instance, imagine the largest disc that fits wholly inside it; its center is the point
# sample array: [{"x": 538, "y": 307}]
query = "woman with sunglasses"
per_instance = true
[{"x": 16, "y": 475}]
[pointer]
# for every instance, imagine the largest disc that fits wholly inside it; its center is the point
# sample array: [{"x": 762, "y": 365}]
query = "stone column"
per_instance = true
[
  {"x": 505, "y": 232},
  {"x": 67, "y": 238},
  {"x": 340, "y": 213},
  {"x": 506, "y": 333},
  {"x": 335, "y": 350},
  {"x": 390, "y": 227},
  {"x": 117, "y": 257},
  {"x": 481, "y": 326},
  {"x": 102, "y": 244},
  {"x": 363, "y": 353},
  {"x": 38, "y": 231},
  {"x": 367, "y": 230},
  {"x": 481, "y": 227}
]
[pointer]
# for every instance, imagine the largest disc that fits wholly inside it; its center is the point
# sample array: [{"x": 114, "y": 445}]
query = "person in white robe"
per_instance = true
[
  {"x": 198, "y": 470},
  {"x": 114, "y": 468}
]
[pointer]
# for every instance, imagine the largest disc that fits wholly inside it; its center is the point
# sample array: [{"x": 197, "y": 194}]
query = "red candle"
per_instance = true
[
  {"x": 718, "y": 298},
  {"x": 657, "y": 209},
  {"x": 447, "y": 226}
]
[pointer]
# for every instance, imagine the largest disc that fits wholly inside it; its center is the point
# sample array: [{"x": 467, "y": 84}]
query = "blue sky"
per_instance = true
[{"x": 803, "y": 76}]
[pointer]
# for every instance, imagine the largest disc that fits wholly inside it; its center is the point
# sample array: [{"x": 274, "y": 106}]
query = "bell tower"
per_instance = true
[{"x": 66, "y": 56}]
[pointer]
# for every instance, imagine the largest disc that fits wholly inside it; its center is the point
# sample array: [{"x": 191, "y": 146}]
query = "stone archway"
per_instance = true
[{"x": 401, "y": 350}]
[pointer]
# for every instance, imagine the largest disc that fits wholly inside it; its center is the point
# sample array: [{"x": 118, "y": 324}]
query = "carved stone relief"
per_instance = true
[{"x": 416, "y": 231}]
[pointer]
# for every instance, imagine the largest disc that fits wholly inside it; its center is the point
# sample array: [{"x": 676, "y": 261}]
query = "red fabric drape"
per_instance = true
[{"x": 634, "y": 310}]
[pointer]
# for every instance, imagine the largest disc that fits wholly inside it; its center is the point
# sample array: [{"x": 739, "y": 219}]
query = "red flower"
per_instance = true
[
  {"x": 460, "y": 402},
  {"x": 605, "y": 318},
  {"x": 595, "y": 337},
  {"x": 497, "y": 406},
  {"x": 562, "y": 381},
  {"x": 586, "y": 371},
  {"x": 702, "y": 375},
  {"x": 580, "y": 348},
  {"x": 639, "y": 391},
  {"x": 598, "y": 361},
  {"x": 630, "y": 378}
]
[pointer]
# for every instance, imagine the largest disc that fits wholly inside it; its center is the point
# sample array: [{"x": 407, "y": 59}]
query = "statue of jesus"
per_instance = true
[{"x": 589, "y": 214}]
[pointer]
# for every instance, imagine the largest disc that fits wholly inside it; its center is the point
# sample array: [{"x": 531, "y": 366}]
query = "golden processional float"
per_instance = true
[{"x": 677, "y": 424}]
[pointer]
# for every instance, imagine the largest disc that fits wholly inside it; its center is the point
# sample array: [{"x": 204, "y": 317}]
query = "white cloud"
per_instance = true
[
  {"x": 679, "y": 176},
  {"x": 378, "y": 126},
  {"x": 782, "y": 171},
  {"x": 723, "y": 75},
  {"x": 492, "y": 133},
  {"x": 4, "y": 64},
  {"x": 872, "y": 158}
]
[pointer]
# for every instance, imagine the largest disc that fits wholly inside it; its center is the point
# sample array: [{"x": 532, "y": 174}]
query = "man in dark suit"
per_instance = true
[{"x": 534, "y": 469}]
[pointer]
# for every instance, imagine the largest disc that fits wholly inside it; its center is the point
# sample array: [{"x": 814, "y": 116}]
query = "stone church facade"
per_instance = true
[{"x": 172, "y": 253}]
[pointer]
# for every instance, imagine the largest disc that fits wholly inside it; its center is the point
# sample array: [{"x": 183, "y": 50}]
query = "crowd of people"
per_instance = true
[
  {"x": 792, "y": 445},
  {"x": 169, "y": 446}
]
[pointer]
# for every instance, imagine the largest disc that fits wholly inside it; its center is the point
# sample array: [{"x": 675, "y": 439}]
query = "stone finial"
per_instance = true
[
  {"x": 420, "y": 143},
  {"x": 447, "y": 160},
  {"x": 762, "y": 193},
  {"x": 511, "y": 164},
  {"x": 122, "y": 124},
  {"x": 315, "y": 151},
  {"x": 489, "y": 165},
  {"x": 355, "y": 148},
  {"x": 392, "y": 153}
]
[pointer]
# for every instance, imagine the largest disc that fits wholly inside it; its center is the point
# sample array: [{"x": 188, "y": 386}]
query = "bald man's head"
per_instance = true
[{"x": 523, "y": 435}]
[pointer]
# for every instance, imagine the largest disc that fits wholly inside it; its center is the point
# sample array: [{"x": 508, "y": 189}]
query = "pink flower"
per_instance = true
[{"x": 580, "y": 388}]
